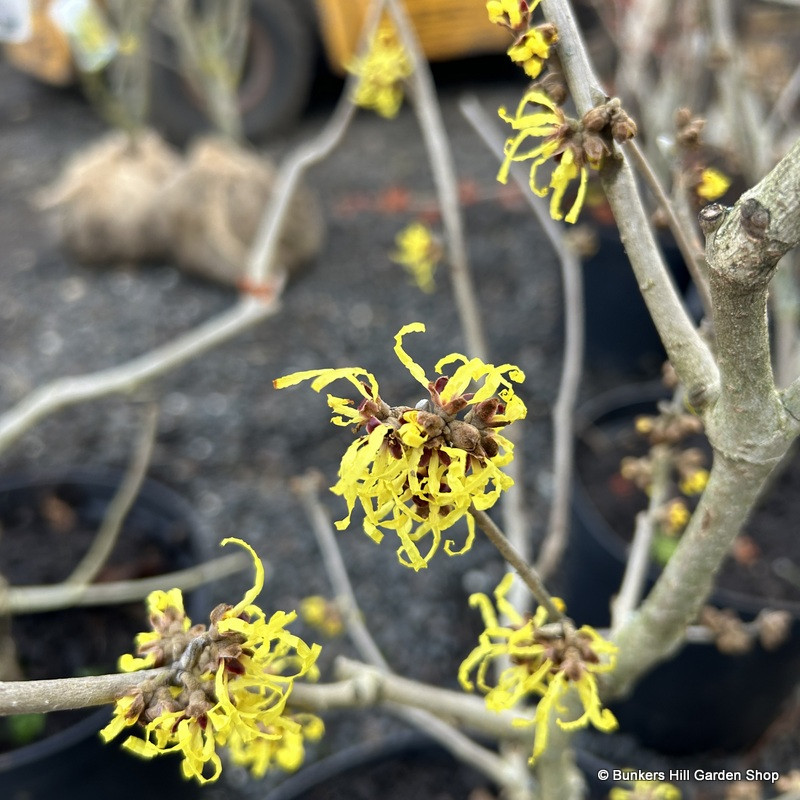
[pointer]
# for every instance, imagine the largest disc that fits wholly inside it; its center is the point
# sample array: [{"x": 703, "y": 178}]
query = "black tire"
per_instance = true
[{"x": 275, "y": 82}]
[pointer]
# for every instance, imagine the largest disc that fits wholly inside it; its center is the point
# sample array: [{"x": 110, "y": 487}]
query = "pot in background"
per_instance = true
[
  {"x": 620, "y": 335},
  {"x": 73, "y": 762},
  {"x": 701, "y": 699}
]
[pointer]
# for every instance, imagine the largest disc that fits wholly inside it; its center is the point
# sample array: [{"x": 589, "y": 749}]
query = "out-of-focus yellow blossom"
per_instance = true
[
  {"x": 417, "y": 471},
  {"x": 532, "y": 49},
  {"x": 646, "y": 790},
  {"x": 512, "y": 14},
  {"x": 321, "y": 614},
  {"x": 713, "y": 184},
  {"x": 695, "y": 482},
  {"x": 546, "y": 660},
  {"x": 229, "y": 686},
  {"x": 419, "y": 252},
  {"x": 283, "y": 744},
  {"x": 545, "y": 122},
  {"x": 676, "y": 516},
  {"x": 382, "y": 72}
]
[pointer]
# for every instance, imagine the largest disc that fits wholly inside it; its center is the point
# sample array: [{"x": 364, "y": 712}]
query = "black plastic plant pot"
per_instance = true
[
  {"x": 160, "y": 534},
  {"x": 405, "y": 766},
  {"x": 702, "y": 699},
  {"x": 408, "y": 766},
  {"x": 620, "y": 334}
]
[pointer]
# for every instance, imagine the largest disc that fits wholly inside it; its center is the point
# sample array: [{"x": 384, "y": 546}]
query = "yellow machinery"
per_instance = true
[
  {"x": 447, "y": 29},
  {"x": 282, "y": 49}
]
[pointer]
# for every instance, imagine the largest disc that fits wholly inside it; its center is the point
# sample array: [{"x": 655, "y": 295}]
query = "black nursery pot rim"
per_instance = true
[
  {"x": 155, "y": 494},
  {"x": 593, "y": 411}
]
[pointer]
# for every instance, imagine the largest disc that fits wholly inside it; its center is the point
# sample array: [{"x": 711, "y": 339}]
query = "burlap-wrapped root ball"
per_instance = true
[
  {"x": 107, "y": 200},
  {"x": 215, "y": 205}
]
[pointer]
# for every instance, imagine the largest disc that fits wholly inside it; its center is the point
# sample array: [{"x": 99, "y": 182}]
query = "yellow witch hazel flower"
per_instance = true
[
  {"x": 229, "y": 686},
  {"x": 322, "y": 614},
  {"x": 417, "y": 471},
  {"x": 382, "y": 72},
  {"x": 419, "y": 252},
  {"x": 532, "y": 49},
  {"x": 713, "y": 184},
  {"x": 512, "y": 14},
  {"x": 574, "y": 145},
  {"x": 547, "y": 660},
  {"x": 646, "y": 790},
  {"x": 546, "y": 122}
]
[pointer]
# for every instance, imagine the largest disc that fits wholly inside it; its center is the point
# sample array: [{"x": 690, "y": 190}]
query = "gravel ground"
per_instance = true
[
  {"x": 227, "y": 440},
  {"x": 230, "y": 443}
]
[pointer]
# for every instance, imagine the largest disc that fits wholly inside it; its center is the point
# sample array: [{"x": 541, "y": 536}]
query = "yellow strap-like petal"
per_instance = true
[
  {"x": 415, "y": 369},
  {"x": 258, "y": 582}
]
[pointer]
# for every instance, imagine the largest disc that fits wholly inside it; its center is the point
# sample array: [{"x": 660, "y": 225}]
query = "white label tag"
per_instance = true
[
  {"x": 92, "y": 40},
  {"x": 15, "y": 21}
]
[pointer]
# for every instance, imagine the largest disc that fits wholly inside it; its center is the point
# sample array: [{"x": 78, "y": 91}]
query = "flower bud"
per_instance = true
[{"x": 463, "y": 435}]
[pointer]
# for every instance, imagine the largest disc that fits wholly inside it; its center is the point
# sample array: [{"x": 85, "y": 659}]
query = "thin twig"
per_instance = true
[
  {"x": 510, "y": 554},
  {"x": 563, "y": 410},
  {"x": 121, "y": 503},
  {"x": 689, "y": 353},
  {"x": 38, "y": 599},
  {"x": 262, "y": 264},
  {"x": 743, "y": 108},
  {"x": 632, "y": 586},
  {"x": 686, "y": 239},
  {"x": 125, "y": 378},
  {"x": 783, "y": 105},
  {"x": 306, "y": 489},
  {"x": 361, "y": 685},
  {"x": 495, "y": 767},
  {"x": 457, "y": 743},
  {"x": 440, "y": 159}
]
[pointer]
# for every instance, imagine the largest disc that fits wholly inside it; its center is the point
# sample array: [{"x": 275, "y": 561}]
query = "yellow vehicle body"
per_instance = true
[
  {"x": 46, "y": 55},
  {"x": 447, "y": 29}
]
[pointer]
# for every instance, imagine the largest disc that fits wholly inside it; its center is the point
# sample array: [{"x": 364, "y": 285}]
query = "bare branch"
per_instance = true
[
  {"x": 262, "y": 266},
  {"x": 440, "y": 158},
  {"x": 688, "y": 244},
  {"x": 630, "y": 591},
  {"x": 121, "y": 503},
  {"x": 38, "y": 599},
  {"x": 750, "y": 425},
  {"x": 687, "y": 351},
  {"x": 306, "y": 489},
  {"x": 125, "y": 378},
  {"x": 525, "y": 570},
  {"x": 63, "y": 694},
  {"x": 563, "y": 410}
]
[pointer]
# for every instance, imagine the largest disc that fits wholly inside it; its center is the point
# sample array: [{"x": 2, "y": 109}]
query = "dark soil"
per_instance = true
[{"x": 771, "y": 531}]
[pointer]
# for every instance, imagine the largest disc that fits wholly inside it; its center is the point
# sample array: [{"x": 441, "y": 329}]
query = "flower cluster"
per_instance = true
[
  {"x": 531, "y": 47},
  {"x": 678, "y": 470},
  {"x": 551, "y": 661},
  {"x": 382, "y": 72},
  {"x": 416, "y": 471},
  {"x": 229, "y": 686},
  {"x": 419, "y": 252},
  {"x": 513, "y": 14},
  {"x": 574, "y": 144},
  {"x": 322, "y": 614}
]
